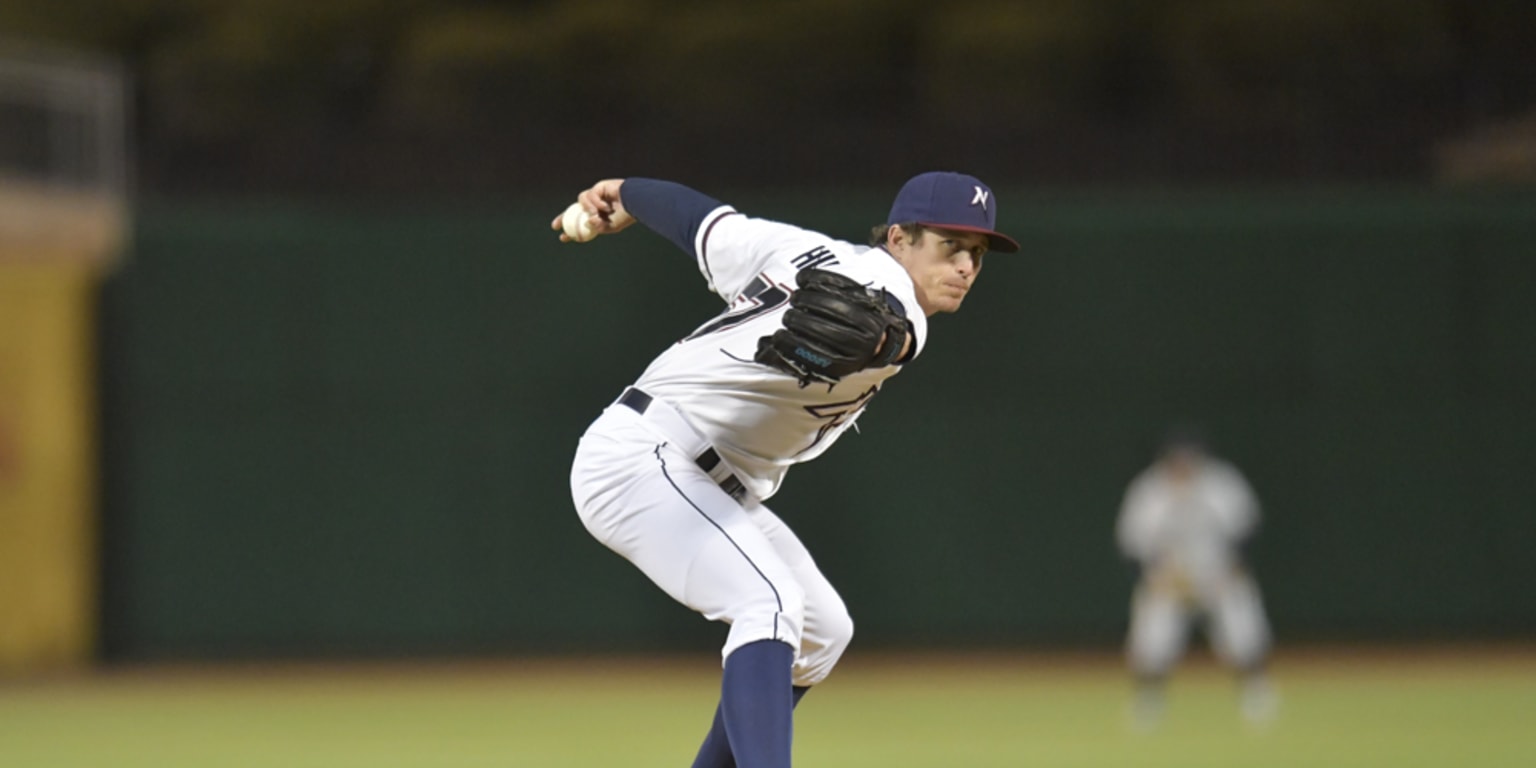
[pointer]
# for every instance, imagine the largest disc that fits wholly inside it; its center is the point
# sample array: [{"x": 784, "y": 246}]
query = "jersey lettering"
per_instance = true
[
  {"x": 836, "y": 414},
  {"x": 814, "y": 258}
]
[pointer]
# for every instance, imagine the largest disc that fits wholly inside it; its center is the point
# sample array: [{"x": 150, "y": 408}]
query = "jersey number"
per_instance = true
[{"x": 760, "y": 295}]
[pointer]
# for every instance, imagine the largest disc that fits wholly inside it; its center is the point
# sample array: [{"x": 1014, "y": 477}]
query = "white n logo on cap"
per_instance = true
[{"x": 981, "y": 197}]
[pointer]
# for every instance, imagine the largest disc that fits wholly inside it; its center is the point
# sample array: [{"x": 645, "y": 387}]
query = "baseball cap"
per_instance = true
[{"x": 951, "y": 201}]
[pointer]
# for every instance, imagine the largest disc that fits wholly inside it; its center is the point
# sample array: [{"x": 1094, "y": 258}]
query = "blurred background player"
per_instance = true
[{"x": 1183, "y": 521}]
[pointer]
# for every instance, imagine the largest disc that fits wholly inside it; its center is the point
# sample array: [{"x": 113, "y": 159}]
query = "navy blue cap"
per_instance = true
[{"x": 951, "y": 201}]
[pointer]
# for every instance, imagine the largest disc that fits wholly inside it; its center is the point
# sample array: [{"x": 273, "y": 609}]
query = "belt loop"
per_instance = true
[{"x": 636, "y": 400}]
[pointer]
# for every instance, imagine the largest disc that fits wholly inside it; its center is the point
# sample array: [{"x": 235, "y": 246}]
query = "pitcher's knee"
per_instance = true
[
  {"x": 837, "y": 631},
  {"x": 777, "y": 614},
  {"x": 824, "y": 643}
]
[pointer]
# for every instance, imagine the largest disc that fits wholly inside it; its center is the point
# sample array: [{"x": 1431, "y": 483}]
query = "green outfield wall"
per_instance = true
[{"x": 342, "y": 430}]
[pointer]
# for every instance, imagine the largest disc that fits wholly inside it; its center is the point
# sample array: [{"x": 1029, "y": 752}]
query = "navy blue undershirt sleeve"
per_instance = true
[
  {"x": 901, "y": 309},
  {"x": 668, "y": 208}
]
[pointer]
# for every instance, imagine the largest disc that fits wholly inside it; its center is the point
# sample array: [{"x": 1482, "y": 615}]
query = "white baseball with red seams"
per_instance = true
[{"x": 577, "y": 224}]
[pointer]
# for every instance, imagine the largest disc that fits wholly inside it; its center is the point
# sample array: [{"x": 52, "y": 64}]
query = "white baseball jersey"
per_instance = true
[
  {"x": 760, "y": 420},
  {"x": 1193, "y": 525}
]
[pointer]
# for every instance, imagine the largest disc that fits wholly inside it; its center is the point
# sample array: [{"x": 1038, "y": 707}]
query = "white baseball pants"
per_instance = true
[
  {"x": 1161, "y": 622},
  {"x": 638, "y": 490}
]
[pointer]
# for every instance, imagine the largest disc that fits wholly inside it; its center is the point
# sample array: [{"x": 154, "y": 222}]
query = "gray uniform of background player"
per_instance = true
[{"x": 1183, "y": 521}]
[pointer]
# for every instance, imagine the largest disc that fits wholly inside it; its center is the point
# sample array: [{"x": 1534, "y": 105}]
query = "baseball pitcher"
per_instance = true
[{"x": 676, "y": 473}]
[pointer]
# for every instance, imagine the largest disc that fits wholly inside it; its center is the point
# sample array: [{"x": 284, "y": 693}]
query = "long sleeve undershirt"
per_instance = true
[{"x": 668, "y": 208}]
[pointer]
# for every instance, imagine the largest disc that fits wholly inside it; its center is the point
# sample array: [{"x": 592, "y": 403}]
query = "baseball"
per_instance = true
[{"x": 577, "y": 224}]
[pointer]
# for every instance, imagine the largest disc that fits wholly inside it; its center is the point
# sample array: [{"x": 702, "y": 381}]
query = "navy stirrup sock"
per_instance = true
[
  {"x": 756, "y": 702},
  {"x": 716, "y": 750}
]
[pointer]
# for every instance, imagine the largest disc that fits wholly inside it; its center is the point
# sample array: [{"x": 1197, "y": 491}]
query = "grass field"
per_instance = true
[{"x": 1398, "y": 709}]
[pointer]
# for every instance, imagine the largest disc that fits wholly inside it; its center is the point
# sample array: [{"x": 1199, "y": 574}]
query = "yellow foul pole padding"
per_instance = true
[
  {"x": 64, "y": 211},
  {"x": 47, "y": 463}
]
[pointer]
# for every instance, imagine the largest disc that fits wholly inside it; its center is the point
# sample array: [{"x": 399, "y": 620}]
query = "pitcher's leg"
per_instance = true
[
  {"x": 828, "y": 628},
  {"x": 825, "y": 635},
  {"x": 715, "y": 752},
  {"x": 668, "y": 518}
]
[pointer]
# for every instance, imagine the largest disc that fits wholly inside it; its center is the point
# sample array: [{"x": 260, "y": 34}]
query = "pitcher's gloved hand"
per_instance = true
[{"x": 834, "y": 327}]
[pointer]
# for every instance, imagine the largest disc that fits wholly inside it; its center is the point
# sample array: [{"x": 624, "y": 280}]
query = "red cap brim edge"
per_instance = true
[{"x": 998, "y": 241}]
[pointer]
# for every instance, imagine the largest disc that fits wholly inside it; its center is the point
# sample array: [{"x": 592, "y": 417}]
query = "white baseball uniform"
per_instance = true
[
  {"x": 674, "y": 475},
  {"x": 1185, "y": 532}
]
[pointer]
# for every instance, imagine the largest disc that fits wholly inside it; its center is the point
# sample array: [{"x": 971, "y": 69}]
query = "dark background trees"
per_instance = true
[{"x": 474, "y": 97}]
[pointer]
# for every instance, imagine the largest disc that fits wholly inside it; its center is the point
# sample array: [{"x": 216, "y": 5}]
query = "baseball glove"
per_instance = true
[{"x": 834, "y": 327}]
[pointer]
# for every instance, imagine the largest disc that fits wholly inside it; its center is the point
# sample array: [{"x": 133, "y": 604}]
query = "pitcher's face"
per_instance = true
[{"x": 943, "y": 264}]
